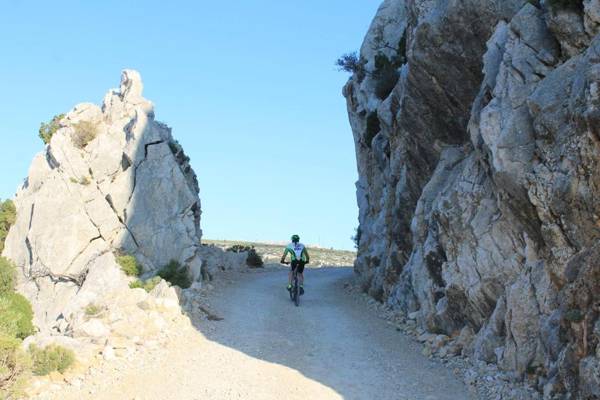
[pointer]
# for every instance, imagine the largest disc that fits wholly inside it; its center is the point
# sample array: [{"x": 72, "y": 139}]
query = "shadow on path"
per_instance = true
[{"x": 330, "y": 338}]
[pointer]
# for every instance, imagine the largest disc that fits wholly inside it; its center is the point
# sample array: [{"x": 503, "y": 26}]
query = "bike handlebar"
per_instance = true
[{"x": 288, "y": 263}]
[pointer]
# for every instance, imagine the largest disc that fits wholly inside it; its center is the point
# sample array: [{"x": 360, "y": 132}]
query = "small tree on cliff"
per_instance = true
[{"x": 8, "y": 215}]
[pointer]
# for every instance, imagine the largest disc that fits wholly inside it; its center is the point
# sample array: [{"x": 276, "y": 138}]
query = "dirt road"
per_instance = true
[{"x": 331, "y": 347}]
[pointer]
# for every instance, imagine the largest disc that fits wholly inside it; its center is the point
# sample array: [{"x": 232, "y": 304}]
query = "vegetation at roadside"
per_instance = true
[
  {"x": 253, "y": 260},
  {"x": 8, "y": 216},
  {"x": 16, "y": 323},
  {"x": 15, "y": 367},
  {"x": 16, "y": 315},
  {"x": 48, "y": 129},
  {"x": 175, "y": 274}
]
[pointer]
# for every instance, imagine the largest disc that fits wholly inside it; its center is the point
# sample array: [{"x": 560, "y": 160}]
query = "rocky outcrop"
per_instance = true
[
  {"x": 112, "y": 180},
  {"x": 477, "y": 143}
]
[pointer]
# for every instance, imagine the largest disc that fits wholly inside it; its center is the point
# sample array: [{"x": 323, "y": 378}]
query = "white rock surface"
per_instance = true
[
  {"x": 130, "y": 189},
  {"x": 478, "y": 149}
]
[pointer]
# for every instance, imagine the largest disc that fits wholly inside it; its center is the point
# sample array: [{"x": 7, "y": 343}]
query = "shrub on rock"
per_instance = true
[
  {"x": 84, "y": 132},
  {"x": 92, "y": 310},
  {"x": 51, "y": 358},
  {"x": 47, "y": 130},
  {"x": 7, "y": 276},
  {"x": 16, "y": 316},
  {"x": 8, "y": 215},
  {"x": 175, "y": 274},
  {"x": 129, "y": 265},
  {"x": 15, "y": 366},
  {"x": 147, "y": 285}
]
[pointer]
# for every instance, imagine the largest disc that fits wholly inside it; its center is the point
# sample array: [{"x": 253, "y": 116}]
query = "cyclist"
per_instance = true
[{"x": 299, "y": 256}]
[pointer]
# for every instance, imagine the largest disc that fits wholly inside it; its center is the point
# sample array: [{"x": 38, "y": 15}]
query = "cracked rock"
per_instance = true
[
  {"x": 479, "y": 180},
  {"x": 128, "y": 189}
]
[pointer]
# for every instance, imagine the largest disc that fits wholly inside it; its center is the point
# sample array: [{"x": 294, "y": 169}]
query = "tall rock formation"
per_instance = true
[
  {"x": 112, "y": 180},
  {"x": 476, "y": 126}
]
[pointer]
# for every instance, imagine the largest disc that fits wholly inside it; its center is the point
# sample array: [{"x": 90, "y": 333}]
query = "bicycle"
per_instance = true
[{"x": 295, "y": 290}]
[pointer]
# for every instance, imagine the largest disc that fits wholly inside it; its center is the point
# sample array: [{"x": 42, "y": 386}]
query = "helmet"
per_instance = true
[{"x": 295, "y": 238}]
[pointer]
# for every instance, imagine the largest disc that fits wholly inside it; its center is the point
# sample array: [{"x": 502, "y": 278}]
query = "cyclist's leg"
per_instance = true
[
  {"x": 301, "y": 275},
  {"x": 301, "y": 271}
]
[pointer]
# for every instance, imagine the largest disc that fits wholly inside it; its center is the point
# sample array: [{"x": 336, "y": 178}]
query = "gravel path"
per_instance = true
[{"x": 331, "y": 347}]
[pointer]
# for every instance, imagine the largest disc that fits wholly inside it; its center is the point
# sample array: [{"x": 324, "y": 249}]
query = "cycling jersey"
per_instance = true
[{"x": 297, "y": 251}]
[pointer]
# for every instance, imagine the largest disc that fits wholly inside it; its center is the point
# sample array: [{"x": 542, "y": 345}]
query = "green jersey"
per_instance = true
[{"x": 297, "y": 251}]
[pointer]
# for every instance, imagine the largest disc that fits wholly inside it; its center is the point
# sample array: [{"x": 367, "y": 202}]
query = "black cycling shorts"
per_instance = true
[{"x": 299, "y": 264}]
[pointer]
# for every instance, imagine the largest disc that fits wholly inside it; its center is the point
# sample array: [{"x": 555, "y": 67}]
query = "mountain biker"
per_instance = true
[{"x": 299, "y": 256}]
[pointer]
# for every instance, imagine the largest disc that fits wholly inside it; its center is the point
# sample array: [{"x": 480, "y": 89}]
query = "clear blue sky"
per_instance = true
[{"x": 249, "y": 88}]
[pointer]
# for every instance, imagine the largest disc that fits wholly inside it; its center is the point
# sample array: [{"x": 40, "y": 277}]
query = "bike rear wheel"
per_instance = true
[{"x": 296, "y": 292}]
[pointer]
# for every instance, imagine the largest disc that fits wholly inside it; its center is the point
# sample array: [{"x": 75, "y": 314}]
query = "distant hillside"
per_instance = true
[{"x": 271, "y": 252}]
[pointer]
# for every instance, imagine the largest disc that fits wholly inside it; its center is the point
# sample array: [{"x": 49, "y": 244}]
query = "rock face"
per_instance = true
[
  {"x": 476, "y": 126},
  {"x": 112, "y": 179}
]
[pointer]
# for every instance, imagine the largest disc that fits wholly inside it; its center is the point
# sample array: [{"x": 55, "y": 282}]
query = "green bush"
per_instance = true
[
  {"x": 7, "y": 276},
  {"x": 129, "y": 265},
  {"x": 16, "y": 316},
  {"x": 238, "y": 248},
  {"x": 175, "y": 274},
  {"x": 352, "y": 63},
  {"x": 92, "y": 310},
  {"x": 84, "y": 132},
  {"x": 147, "y": 285},
  {"x": 15, "y": 366},
  {"x": 47, "y": 130},
  {"x": 254, "y": 259},
  {"x": 8, "y": 216},
  {"x": 51, "y": 358}
]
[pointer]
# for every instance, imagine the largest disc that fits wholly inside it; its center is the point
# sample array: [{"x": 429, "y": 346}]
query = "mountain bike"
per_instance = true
[{"x": 295, "y": 291}]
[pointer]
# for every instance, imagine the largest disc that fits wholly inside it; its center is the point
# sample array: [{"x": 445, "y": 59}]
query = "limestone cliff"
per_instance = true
[
  {"x": 476, "y": 126},
  {"x": 111, "y": 180}
]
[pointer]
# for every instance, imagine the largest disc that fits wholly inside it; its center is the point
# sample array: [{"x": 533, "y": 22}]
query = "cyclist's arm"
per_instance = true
[
  {"x": 284, "y": 254},
  {"x": 306, "y": 255}
]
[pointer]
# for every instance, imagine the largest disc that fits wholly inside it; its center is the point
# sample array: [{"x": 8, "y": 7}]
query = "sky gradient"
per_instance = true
[{"x": 249, "y": 88}]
